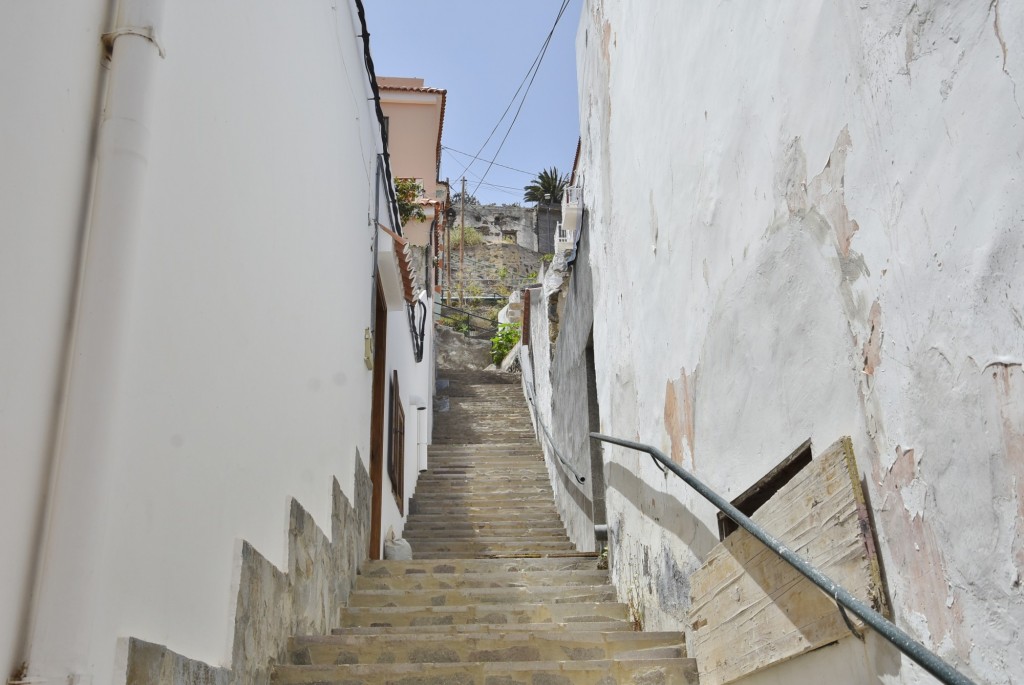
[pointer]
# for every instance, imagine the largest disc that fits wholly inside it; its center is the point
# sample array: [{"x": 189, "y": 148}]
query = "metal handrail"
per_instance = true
[
  {"x": 488, "y": 329},
  {"x": 927, "y": 659},
  {"x": 580, "y": 478}
]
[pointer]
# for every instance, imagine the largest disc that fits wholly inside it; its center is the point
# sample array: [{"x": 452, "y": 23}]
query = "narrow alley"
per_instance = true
[{"x": 495, "y": 592}]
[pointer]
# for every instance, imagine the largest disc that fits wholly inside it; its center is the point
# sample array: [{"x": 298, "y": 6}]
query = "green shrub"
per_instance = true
[
  {"x": 472, "y": 236},
  {"x": 504, "y": 341}
]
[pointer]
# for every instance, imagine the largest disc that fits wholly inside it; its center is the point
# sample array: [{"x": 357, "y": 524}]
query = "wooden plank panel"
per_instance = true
[{"x": 750, "y": 609}]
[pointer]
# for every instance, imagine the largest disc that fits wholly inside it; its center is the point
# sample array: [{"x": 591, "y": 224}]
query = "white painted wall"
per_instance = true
[
  {"x": 806, "y": 223},
  {"x": 46, "y": 129},
  {"x": 218, "y": 360},
  {"x": 415, "y": 384}
]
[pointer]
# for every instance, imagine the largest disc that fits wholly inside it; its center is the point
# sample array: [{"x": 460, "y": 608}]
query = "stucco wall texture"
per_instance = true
[{"x": 807, "y": 222}]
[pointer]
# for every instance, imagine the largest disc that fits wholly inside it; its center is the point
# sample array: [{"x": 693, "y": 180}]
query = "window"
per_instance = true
[
  {"x": 761, "y": 491},
  {"x": 396, "y": 444}
]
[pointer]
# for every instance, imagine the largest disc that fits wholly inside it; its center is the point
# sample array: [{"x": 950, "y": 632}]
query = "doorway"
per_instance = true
[{"x": 380, "y": 336}]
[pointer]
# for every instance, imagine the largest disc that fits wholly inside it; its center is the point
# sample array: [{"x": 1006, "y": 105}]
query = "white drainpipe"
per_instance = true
[
  {"x": 421, "y": 438},
  {"x": 81, "y": 497}
]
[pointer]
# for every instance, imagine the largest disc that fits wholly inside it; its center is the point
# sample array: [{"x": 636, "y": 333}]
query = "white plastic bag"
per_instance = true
[{"x": 396, "y": 549}]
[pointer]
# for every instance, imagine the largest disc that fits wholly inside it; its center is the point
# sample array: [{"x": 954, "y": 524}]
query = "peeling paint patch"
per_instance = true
[
  {"x": 873, "y": 346},
  {"x": 606, "y": 39},
  {"x": 827, "y": 191},
  {"x": 1009, "y": 387},
  {"x": 679, "y": 421},
  {"x": 918, "y": 556}
]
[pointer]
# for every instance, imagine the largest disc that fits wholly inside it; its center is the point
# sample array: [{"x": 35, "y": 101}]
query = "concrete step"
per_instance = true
[
  {"x": 482, "y": 485},
  {"x": 473, "y": 468},
  {"x": 525, "y": 459},
  {"x": 584, "y": 561},
  {"x": 456, "y": 632},
  {"x": 512, "y": 535},
  {"x": 508, "y": 503},
  {"x": 489, "y": 518},
  {"x": 468, "y": 596},
  {"x": 418, "y": 525},
  {"x": 434, "y": 556},
  {"x": 469, "y": 437},
  {"x": 494, "y": 579},
  {"x": 497, "y": 488},
  {"x": 506, "y": 511},
  {"x": 493, "y": 412},
  {"x": 505, "y": 514},
  {"x": 596, "y": 672},
  {"x": 471, "y": 376},
  {"x": 487, "y": 537},
  {"x": 527, "y": 468},
  {"x": 466, "y": 531},
  {"x": 493, "y": 447},
  {"x": 483, "y": 646},
  {"x": 484, "y": 613},
  {"x": 497, "y": 517},
  {"x": 480, "y": 477},
  {"x": 469, "y": 549},
  {"x": 499, "y": 498}
]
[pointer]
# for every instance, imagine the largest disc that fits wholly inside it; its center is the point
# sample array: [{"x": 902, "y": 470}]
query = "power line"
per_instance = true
[
  {"x": 511, "y": 102},
  {"x": 532, "y": 70},
  {"x": 508, "y": 190},
  {"x": 503, "y": 166},
  {"x": 522, "y": 101}
]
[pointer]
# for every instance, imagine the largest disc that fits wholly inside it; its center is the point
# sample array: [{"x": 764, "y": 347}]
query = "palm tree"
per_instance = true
[{"x": 547, "y": 187}]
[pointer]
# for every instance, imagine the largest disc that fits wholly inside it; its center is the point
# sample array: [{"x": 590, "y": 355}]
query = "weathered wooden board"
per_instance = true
[{"x": 750, "y": 609}]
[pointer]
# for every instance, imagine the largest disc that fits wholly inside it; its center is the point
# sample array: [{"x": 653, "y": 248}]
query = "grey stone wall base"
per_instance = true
[
  {"x": 273, "y": 605},
  {"x": 152, "y": 664}
]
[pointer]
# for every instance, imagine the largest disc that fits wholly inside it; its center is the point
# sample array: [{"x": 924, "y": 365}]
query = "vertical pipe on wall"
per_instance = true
[
  {"x": 66, "y": 603},
  {"x": 421, "y": 438}
]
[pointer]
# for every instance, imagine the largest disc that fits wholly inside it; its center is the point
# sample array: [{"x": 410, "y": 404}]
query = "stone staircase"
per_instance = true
[{"x": 496, "y": 594}]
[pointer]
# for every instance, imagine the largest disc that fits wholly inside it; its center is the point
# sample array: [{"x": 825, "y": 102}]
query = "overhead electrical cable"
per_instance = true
[
  {"x": 475, "y": 177},
  {"x": 530, "y": 74},
  {"x": 511, "y": 102},
  {"x": 503, "y": 166},
  {"x": 522, "y": 101}
]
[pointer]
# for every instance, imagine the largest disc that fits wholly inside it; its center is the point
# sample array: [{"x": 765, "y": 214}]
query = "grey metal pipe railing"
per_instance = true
[
  {"x": 889, "y": 631},
  {"x": 580, "y": 478}
]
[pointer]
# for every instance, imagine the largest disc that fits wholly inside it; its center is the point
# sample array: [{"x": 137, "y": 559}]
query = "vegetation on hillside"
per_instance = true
[{"x": 502, "y": 343}]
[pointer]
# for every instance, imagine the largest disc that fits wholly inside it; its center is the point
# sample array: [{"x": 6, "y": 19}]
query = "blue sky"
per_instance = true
[{"x": 480, "y": 51}]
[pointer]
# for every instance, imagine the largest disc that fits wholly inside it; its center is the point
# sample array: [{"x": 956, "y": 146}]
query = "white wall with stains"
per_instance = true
[
  {"x": 807, "y": 222},
  {"x": 216, "y": 340}
]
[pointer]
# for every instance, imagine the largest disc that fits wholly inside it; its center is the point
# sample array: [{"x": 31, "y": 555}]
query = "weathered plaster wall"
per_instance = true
[
  {"x": 806, "y": 223},
  {"x": 222, "y": 375},
  {"x": 565, "y": 310},
  {"x": 46, "y": 129}
]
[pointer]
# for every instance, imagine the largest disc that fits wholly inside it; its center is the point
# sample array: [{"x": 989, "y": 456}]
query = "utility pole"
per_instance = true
[
  {"x": 462, "y": 244},
  {"x": 448, "y": 251}
]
